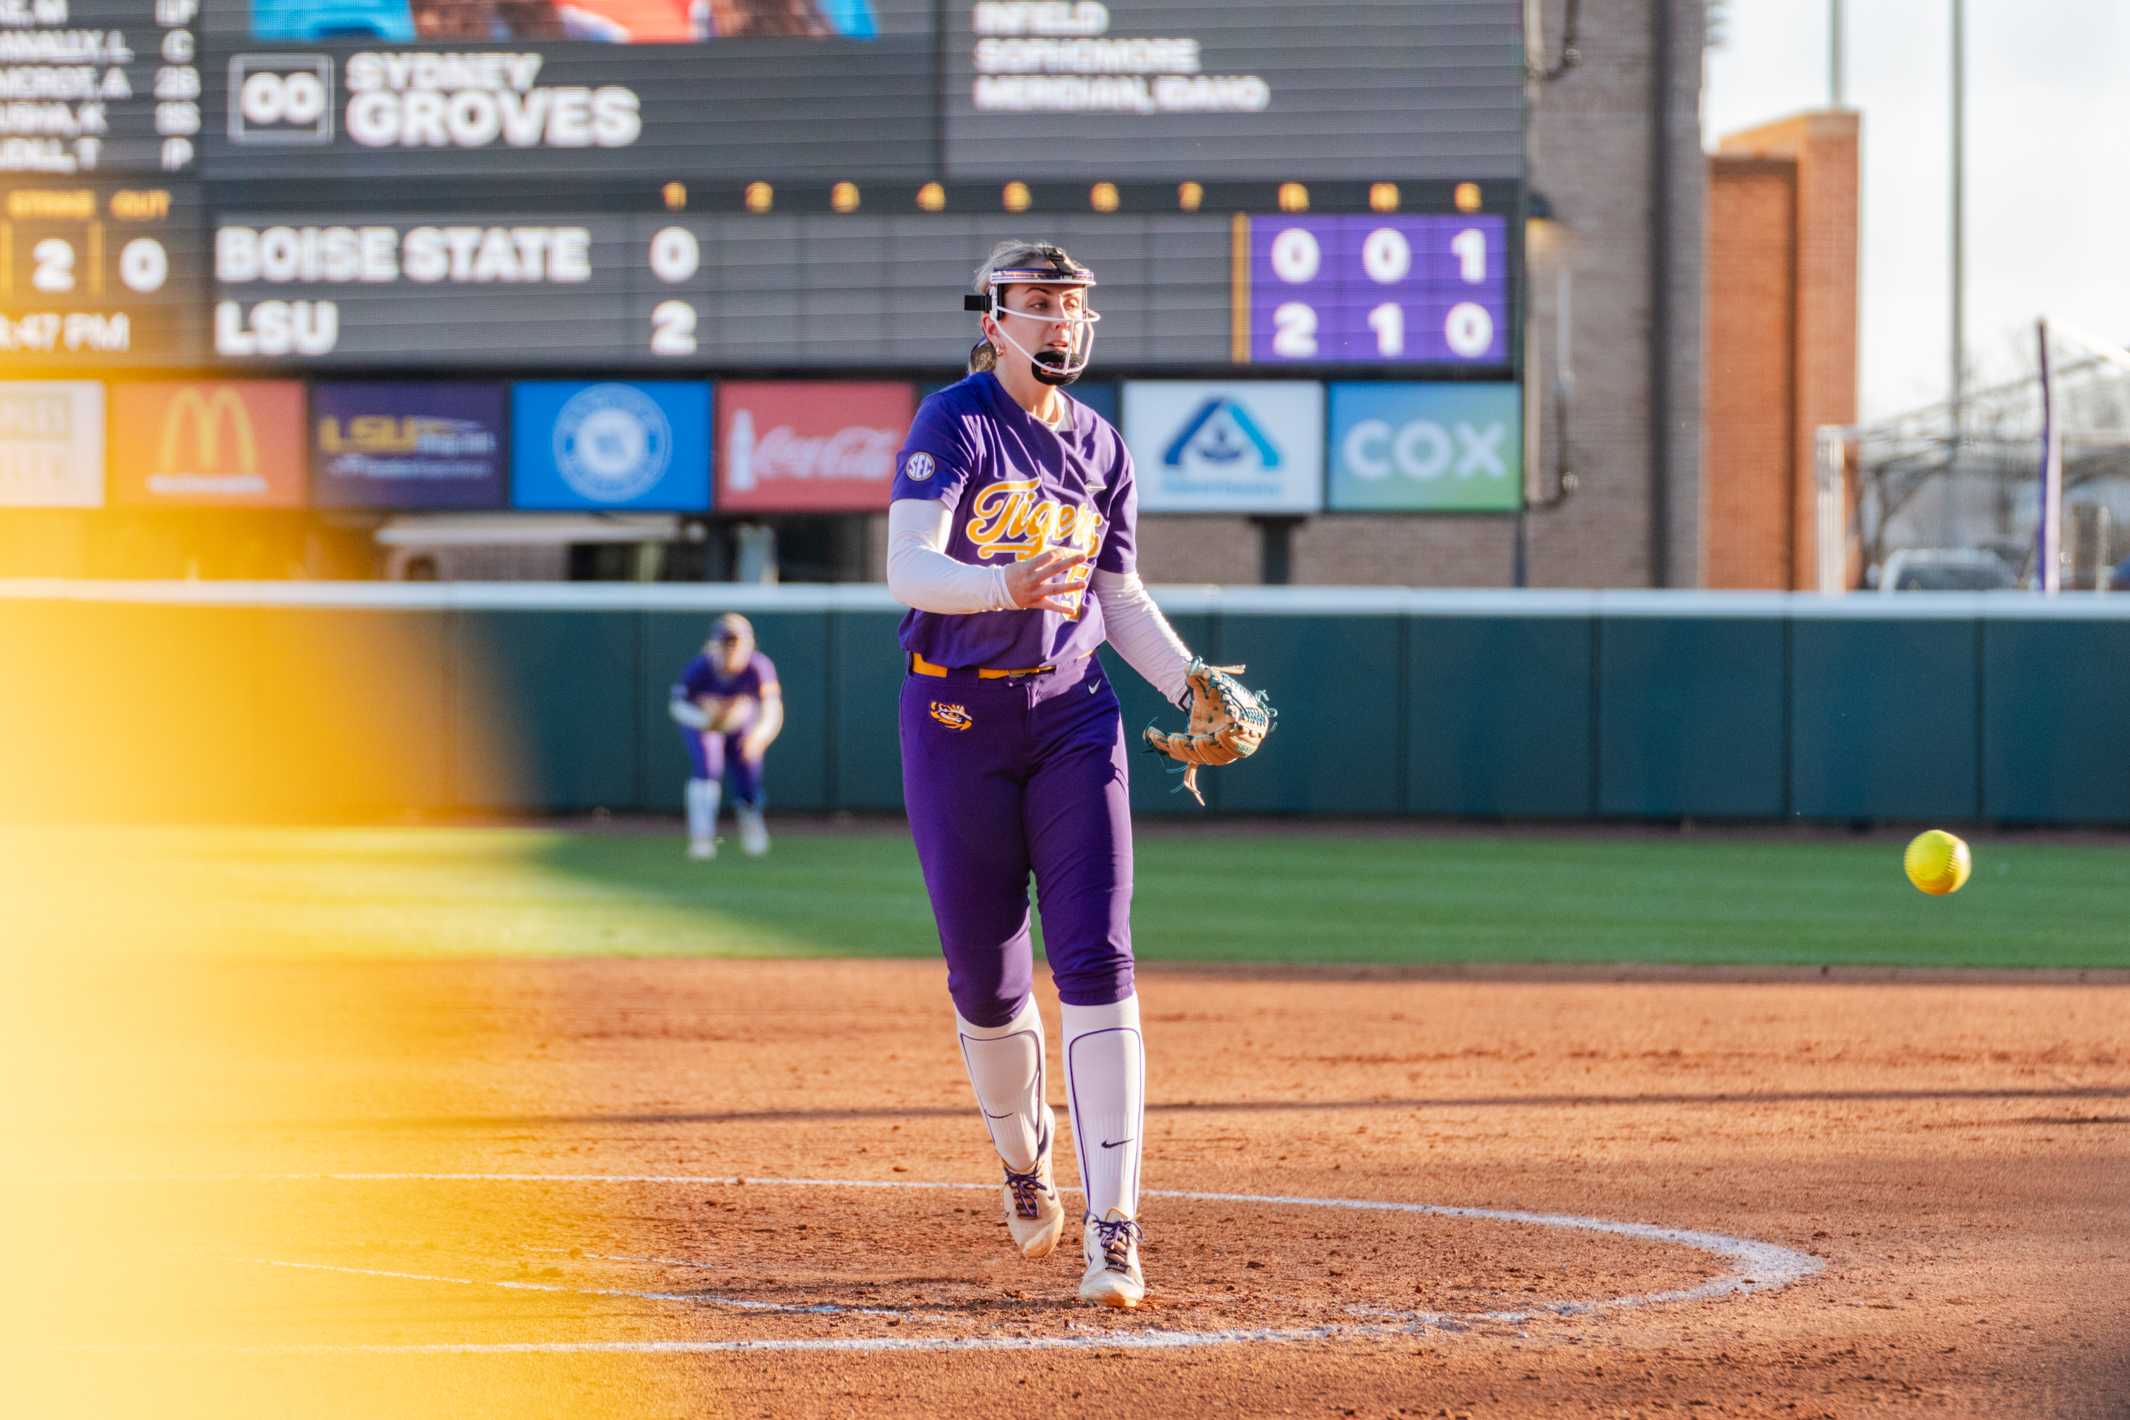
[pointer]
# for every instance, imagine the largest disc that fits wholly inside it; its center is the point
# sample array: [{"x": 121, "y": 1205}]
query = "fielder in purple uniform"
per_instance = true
[
  {"x": 730, "y": 709},
  {"x": 1011, "y": 541}
]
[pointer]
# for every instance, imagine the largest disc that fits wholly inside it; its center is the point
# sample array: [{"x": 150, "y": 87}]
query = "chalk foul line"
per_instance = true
[{"x": 1755, "y": 1266}]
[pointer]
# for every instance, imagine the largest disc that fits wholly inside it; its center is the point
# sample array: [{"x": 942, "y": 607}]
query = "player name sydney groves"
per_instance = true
[{"x": 451, "y": 100}]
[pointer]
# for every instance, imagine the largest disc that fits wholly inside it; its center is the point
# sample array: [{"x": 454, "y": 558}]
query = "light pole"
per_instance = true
[
  {"x": 1957, "y": 401},
  {"x": 1834, "y": 52},
  {"x": 1959, "y": 244}
]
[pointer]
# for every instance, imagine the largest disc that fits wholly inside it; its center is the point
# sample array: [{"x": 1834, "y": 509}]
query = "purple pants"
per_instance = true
[
  {"x": 1003, "y": 778},
  {"x": 708, "y": 756}
]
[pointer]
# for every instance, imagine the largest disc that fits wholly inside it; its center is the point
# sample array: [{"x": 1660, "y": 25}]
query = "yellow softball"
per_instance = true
[{"x": 1937, "y": 862}]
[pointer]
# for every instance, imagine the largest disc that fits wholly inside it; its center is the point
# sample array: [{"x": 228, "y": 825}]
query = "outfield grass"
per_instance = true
[{"x": 1368, "y": 896}]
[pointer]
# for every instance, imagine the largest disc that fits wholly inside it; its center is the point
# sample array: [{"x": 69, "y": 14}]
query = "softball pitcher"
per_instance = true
[
  {"x": 1011, "y": 541},
  {"x": 730, "y": 709}
]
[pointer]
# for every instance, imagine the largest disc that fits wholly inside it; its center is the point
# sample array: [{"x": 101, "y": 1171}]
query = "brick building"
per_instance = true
[{"x": 1781, "y": 340}]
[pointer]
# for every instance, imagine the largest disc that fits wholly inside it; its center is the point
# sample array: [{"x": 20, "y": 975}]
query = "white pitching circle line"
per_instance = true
[{"x": 1755, "y": 1267}]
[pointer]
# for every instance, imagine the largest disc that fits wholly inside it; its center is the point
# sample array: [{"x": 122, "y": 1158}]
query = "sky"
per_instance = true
[{"x": 2048, "y": 168}]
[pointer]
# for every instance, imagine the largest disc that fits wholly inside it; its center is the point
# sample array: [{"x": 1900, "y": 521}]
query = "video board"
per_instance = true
[
  {"x": 654, "y": 90},
  {"x": 742, "y": 184},
  {"x": 1236, "y": 88}
]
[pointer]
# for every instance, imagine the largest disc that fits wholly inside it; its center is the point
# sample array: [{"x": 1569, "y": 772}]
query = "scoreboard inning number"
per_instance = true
[
  {"x": 676, "y": 256},
  {"x": 1379, "y": 289}
]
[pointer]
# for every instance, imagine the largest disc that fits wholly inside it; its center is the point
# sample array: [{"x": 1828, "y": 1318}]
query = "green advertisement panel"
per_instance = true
[{"x": 1426, "y": 448}]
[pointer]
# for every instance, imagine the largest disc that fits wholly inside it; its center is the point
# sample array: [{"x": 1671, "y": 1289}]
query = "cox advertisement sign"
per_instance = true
[
  {"x": 235, "y": 442},
  {"x": 52, "y": 444},
  {"x": 808, "y": 447},
  {"x": 642, "y": 445},
  {"x": 1220, "y": 447},
  {"x": 377, "y": 444},
  {"x": 1427, "y": 448}
]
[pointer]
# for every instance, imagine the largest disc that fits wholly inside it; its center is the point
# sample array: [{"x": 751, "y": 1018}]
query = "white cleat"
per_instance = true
[
  {"x": 1113, "y": 1278},
  {"x": 754, "y": 834},
  {"x": 702, "y": 850},
  {"x": 1034, "y": 1215}
]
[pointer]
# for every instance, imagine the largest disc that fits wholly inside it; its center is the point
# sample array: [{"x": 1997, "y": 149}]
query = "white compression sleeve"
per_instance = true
[
  {"x": 1141, "y": 634},
  {"x": 1006, "y": 1067},
  {"x": 921, "y": 575},
  {"x": 1105, "y": 1079}
]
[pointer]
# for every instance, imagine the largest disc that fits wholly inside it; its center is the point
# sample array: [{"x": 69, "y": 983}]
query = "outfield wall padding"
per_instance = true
[
  {"x": 1691, "y": 717},
  {"x": 1500, "y": 716},
  {"x": 1885, "y": 720},
  {"x": 358, "y": 701},
  {"x": 2055, "y": 699}
]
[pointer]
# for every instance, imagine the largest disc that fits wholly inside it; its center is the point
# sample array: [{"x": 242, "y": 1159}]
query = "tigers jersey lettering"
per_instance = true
[
  {"x": 1015, "y": 486},
  {"x": 1013, "y": 518}
]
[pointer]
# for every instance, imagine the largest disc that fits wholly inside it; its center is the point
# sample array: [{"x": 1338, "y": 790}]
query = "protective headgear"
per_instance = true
[
  {"x": 729, "y": 628},
  {"x": 1045, "y": 266}
]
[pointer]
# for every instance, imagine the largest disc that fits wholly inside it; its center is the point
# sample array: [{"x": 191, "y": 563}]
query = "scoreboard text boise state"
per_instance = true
[{"x": 744, "y": 184}]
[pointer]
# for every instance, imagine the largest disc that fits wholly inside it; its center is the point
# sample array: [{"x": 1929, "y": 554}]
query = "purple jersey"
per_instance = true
[
  {"x": 1016, "y": 486},
  {"x": 706, "y": 677}
]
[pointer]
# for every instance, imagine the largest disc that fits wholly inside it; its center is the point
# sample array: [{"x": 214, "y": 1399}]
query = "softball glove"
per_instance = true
[{"x": 1227, "y": 723}]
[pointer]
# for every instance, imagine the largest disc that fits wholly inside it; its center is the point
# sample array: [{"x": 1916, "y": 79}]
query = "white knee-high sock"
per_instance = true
[
  {"x": 1006, "y": 1067},
  {"x": 1105, "y": 1078},
  {"x": 703, "y": 795}
]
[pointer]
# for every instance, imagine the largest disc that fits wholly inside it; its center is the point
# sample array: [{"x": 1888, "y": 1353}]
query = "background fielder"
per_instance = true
[{"x": 730, "y": 709}]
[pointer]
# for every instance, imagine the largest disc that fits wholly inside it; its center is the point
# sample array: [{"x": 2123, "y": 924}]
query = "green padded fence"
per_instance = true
[{"x": 551, "y": 699}]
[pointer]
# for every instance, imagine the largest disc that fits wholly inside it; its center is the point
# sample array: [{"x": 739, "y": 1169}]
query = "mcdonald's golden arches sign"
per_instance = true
[{"x": 236, "y": 442}]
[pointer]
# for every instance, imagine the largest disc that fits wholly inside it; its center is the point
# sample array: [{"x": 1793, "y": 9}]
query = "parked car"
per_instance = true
[{"x": 1945, "y": 569}]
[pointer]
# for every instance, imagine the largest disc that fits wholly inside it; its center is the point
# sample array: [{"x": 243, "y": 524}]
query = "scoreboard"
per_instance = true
[
  {"x": 100, "y": 273},
  {"x": 742, "y": 291},
  {"x": 99, "y": 86},
  {"x": 1380, "y": 289},
  {"x": 729, "y": 185}
]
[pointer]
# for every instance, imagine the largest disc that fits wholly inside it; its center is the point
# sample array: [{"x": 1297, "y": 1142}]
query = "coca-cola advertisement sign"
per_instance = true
[{"x": 801, "y": 446}]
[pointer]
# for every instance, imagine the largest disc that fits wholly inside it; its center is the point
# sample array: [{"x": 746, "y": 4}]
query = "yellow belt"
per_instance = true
[{"x": 920, "y": 666}]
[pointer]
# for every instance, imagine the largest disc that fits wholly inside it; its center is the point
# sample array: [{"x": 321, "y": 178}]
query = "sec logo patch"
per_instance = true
[
  {"x": 954, "y": 717},
  {"x": 917, "y": 467}
]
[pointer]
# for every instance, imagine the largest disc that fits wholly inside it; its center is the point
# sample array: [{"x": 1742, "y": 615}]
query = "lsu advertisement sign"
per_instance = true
[
  {"x": 52, "y": 444},
  {"x": 1427, "y": 448},
  {"x": 1219, "y": 447},
  {"x": 642, "y": 445},
  {"x": 234, "y": 442},
  {"x": 808, "y": 447},
  {"x": 379, "y": 444}
]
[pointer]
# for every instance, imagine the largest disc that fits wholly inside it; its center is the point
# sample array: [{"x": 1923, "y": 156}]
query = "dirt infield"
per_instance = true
[{"x": 1906, "y": 1196}]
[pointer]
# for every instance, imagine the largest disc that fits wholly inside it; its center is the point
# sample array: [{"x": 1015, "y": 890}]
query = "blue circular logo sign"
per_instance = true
[
  {"x": 612, "y": 443},
  {"x": 917, "y": 467}
]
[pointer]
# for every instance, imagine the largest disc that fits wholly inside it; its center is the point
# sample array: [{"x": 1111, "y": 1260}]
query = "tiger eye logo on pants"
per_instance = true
[{"x": 954, "y": 717}]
